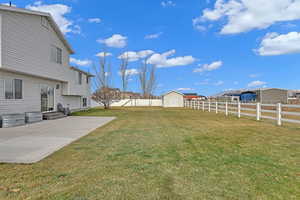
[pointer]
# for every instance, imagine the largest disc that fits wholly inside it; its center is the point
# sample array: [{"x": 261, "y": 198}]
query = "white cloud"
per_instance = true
[
  {"x": 246, "y": 15},
  {"x": 95, "y": 20},
  {"x": 275, "y": 44},
  {"x": 256, "y": 83},
  {"x": 153, "y": 36},
  {"x": 116, "y": 41},
  {"x": 58, "y": 12},
  {"x": 104, "y": 54},
  {"x": 167, "y": 4},
  {"x": 185, "y": 89},
  {"x": 219, "y": 83},
  {"x": 161, "y": 60},
  {"x": 80, "y": 62},
  {"x": 7, "y": 4},
  {"x": 134, "y": 56},
  {"x": 235, "y": 82},
  {"x": 209, "y": 67},
  {"x": 131, "y": 72}
]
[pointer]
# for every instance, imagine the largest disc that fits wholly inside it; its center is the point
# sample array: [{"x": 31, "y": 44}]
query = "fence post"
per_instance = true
[
  {"x": 239, "y": 109},
  {"x": 258, "y": 113},
  {"x": 226, "y": 108},
  {"x": 216, "y": 107},
  {"x": 279, "y": 123},
  {"x": 209, "y": 106},
  {"x": 203, "y": 106}
]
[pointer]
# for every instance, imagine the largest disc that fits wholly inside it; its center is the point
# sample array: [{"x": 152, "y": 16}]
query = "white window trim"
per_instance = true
[{"x": 13, "y": 87}]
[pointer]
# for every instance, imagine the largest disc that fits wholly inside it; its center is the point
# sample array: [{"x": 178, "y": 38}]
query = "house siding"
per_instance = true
[
  {"x": 31, "y": 101},
  {"x": 26, "y": 46},
  {"x": 25, "y": 54}
]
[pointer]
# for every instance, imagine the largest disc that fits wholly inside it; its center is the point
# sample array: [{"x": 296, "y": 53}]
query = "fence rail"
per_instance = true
[{"x": 277, "y": 112}]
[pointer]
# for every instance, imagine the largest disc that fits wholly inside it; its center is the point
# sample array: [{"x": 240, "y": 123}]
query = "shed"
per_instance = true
[{"x": 173, "y": 99}]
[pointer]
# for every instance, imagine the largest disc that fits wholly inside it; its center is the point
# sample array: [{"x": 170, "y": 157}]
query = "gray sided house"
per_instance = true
[
  {"x": 35, "y": 74},
  {"x": 265, "y": 95}
]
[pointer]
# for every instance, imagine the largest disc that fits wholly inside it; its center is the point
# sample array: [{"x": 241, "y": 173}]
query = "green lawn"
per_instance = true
[{"x": 166, "y": 154}]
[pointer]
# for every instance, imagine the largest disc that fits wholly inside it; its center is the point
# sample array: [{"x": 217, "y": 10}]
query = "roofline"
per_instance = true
[
  {"x": 82, "y": 71},
  {"x": 173, "y": 91},
  {"x": 44, "y": 14}
]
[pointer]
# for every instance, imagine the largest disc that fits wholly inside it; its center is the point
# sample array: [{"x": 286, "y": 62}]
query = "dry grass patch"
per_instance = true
[{"x": 154, "y": 153}]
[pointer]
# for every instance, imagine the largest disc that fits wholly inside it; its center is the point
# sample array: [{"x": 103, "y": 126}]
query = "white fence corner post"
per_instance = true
[
  {"x": 203, "y": 106},
  {"x": 279, "y": 109},
  {"x": 216, "y": 107},
  {"x": 226, "y": 108},
  {"x": 209, "y": 106},
  {"x": 258, "y": 112},
  {"x": 239, "y": 109}
]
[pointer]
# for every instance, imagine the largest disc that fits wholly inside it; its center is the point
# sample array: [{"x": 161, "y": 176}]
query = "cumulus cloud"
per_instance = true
[
  {"x": 80, "y": 62},
  {"x": 209, "y": 67},
  {"x": 95, "y": 20},
  {"x": 135, "y": 56},
  {"x": 153, "y": 36},
  {"x": 131, "y": 72},
  {"x": 256, "y": 83},
  {"x": 246, "y": 15},
  {"x": 276, "y": 44},
  {"x": 162, "y": 60},
  {"x": 103, "y": 54},
  {"x": 58, "y": 12},
  {"x": 167, "y": 4},
  {"x": 115, "y": 41},
  {"x": 185, "y": 89}
]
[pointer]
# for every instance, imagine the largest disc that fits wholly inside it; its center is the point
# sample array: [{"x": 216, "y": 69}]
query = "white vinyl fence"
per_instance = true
[{"x": 278, "y": 112}]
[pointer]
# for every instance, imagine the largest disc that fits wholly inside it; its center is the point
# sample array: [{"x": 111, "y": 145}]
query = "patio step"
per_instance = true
[{"x": 53, "y": 115}]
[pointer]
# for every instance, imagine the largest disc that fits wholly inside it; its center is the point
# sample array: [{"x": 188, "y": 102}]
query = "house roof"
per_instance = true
[
  {"x": 82, "y": 71},
  {"x": 47, "y": 15},
  {"x": 172, "y": 92}
]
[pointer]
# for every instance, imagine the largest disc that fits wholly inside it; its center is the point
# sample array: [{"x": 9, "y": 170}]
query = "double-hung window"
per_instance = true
[
  {"x": 56, "y": 54},
  {"x": 13, "y": 89},
  {"x": 79, "y": 78}
]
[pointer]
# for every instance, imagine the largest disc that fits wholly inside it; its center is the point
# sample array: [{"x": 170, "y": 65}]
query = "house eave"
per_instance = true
[{"x": 32, "y": 75}]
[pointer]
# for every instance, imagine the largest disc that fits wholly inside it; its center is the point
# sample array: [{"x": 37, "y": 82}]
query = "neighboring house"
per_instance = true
[
  {"x": 262, "y": 95},
  {"x": 193, "y": 96},
  {"x": 173, "y": 99},
  {"x": 35, "y": 74}
]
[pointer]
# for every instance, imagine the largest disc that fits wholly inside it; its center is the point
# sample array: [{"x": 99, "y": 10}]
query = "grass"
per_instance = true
[{"x": 171, "y": 154}]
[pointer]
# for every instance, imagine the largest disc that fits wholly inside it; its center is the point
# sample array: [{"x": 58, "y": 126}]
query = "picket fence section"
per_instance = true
[{"x": 259, "y": 111}]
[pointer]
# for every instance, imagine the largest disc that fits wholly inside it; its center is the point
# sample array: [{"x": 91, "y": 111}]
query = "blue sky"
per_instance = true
[{"x": 203, "y": 46}]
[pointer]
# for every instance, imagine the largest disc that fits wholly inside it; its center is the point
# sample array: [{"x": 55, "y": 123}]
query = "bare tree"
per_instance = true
[
  {"x": 123, "y": 71},
  {"x": 147, "y": 78},
  {"x": 104, "y": 94}
]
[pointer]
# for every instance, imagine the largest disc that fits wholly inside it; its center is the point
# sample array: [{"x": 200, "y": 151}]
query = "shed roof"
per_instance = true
[
  {"x": 44, "y": 14},
  {"x": 173, "y": 91}
]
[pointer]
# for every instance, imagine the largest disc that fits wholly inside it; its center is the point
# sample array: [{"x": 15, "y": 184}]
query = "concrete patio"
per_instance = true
[{"x": 33, "y": 142}]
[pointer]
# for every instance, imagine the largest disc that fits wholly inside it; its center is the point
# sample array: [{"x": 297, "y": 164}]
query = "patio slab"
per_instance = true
[{"x": 33, "y": 142}]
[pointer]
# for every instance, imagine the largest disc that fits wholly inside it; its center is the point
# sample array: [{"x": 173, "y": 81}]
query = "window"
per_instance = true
[
  {"x": 79, "y": 78},
  {"x": 45, "y": 22},
  {"x": 9, "y": 92},
  {"x": 56, "y": 54},
  {"x": 13, "y": 89},
  {"x": 87, "y": 80},
  {"x": 18, "y": 86},
  {"x": 84, "y": 102}
]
